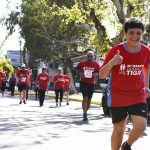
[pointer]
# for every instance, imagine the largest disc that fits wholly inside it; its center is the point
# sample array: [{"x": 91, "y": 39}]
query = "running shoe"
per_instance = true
[
  {"x": 124, "y": 148},
  {"x": 59, "y": 103},
  {"x": 24, "y": 102},
  {"x": 85, "y": 117}
]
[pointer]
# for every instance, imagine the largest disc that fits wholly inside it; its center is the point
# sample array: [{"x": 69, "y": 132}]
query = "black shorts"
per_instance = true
[
  {"x": 120, "y": 113},
  {"x": 22, "y": 88},
  {"x": 87, "y": 89}
]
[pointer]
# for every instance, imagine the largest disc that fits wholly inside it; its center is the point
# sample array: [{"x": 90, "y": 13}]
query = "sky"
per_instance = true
[{"x": 12, "y": 42}]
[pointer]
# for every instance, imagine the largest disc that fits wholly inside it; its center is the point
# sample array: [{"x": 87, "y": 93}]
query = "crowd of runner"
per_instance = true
[{"x": 126, "y": 66}]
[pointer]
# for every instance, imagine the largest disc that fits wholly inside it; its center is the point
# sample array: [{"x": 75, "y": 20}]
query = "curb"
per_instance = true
[{"x": 71, "y": 98}]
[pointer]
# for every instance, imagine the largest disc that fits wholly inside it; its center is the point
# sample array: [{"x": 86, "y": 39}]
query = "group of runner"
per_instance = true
[
  {"x": 126, "y": 66},
  {"x": 61, "y": 85},
  {"x": 23, "y": 81}
]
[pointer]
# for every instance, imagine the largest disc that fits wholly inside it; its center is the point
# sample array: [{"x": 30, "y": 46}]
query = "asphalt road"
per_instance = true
[{"x": 30, "y": 127}]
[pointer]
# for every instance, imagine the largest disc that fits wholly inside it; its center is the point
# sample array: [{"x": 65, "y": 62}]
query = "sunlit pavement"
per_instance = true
[{"x": 30, "y": 127}]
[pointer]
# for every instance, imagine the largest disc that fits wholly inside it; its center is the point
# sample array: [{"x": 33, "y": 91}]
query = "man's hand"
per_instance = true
[{"x": 117, "y": 59}]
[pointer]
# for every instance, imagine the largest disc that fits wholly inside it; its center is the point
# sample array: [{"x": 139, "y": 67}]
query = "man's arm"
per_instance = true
[
  {"x": 106, "y": 69},
  {"x": 79, "y": 73},
  {"x": 48, "y": 82}
]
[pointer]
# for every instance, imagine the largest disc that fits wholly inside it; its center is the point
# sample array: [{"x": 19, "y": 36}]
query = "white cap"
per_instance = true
[
  {"x": 59, "y": 69},
  {"x": 90, "y": 53},
  {"x": 23, "y": 66},
  {"x": 44, "y": 67}
]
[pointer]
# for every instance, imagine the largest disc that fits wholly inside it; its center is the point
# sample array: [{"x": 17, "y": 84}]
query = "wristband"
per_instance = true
[{"x": 110, "y": 64}]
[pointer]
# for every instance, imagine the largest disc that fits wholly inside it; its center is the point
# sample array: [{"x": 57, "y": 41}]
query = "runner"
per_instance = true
[
  {"x": 67, "y": 86},
  {"x": 3, "y": 79},
  {"x": 22, "y": 76},
  {"x": 28, "y": 86},
  {"x": 87, "y": 69},
  {"x": 127, "y": 66},
  {"x": 42, "y": 81},
  {"x": 59, "y": 81}
]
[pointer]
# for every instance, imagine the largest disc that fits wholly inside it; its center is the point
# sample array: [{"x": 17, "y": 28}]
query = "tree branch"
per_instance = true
[
  {"x": 119, "y": 9},
  {"x": 129, "y": 10},
  {"x": 100, "y": 28}
]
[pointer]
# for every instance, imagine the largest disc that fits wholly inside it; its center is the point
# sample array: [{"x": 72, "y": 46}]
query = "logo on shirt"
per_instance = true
[
  {"x": 132, "y": 70},
  {"x": 122, "y": 69},
  {"x": 43, "y": 78}
]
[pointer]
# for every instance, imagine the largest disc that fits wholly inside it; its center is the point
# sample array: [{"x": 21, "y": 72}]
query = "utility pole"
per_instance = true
[{"x": 20, "y": 53}]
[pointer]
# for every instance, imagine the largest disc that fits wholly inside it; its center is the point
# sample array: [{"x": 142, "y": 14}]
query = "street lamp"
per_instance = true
[
  {"x": 20, "y": 53},
  {"x": 148, "y": 34}
]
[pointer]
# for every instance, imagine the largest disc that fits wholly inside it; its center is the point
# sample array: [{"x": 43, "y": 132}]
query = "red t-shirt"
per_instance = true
[
  {"x": 59, "y": 81},
  {"x": 29, "y": 82},
  {"x": 3, "y": 77},
  {"x": 23, "y": 76},
  {"x": 42, "y": 80},
  {"x": 67, "y": 82},
  {"x": 126, "y": 84},
  {"x": 88, "y": 70}
]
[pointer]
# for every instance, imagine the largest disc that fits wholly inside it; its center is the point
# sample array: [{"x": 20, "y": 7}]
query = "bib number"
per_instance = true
[
  {"x": 23, "y": 79},
  {"x": 88, "y": 73}
]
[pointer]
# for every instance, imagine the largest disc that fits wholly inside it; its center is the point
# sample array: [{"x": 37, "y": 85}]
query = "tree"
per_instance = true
[
  {"x": 50, "y": 29},
  {"x": 2, "y": 20},
  {"x": 56, "y": 27}
]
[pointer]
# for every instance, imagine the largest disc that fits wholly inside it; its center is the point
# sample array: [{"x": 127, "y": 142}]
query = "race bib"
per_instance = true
[
  {"x": 23, "y": 79},
  {"x": 88, "y": 73}
]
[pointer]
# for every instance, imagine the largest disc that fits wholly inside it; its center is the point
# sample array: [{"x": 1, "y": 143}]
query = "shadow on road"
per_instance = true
[{"x": 27, "y": 125}]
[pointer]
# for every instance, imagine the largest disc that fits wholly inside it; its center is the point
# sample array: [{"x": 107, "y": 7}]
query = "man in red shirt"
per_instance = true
[
  {"x": 88, "y": 69},
  {"x": 22, "y": 76},
  {"x": 127, "y": 67},
  {"x": 28, "y": 86},
  {"x": 59, "y": 81},
  {"x": 42, "y": 81},
  {"x": 3, "y": 80},
  {"x": 67, "y": 85}
]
